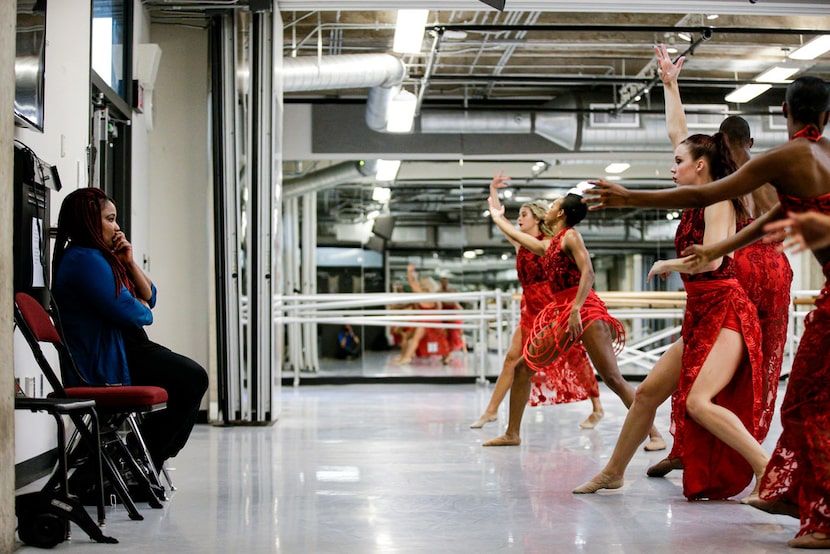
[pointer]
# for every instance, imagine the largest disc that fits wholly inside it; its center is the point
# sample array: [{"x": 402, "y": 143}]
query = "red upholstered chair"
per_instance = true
[{"x": 116, "y": 405}]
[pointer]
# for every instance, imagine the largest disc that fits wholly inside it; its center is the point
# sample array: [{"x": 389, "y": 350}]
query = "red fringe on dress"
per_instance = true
[
  {"x": 711, "y": 468},
  {"x": 549, "y": 338},
  {"x": 568, "y": 379}
]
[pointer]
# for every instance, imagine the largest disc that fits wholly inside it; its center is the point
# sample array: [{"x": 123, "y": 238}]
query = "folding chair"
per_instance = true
[
  {"x": 44, "y": 516},
  {"x": 115, "y": 405}
]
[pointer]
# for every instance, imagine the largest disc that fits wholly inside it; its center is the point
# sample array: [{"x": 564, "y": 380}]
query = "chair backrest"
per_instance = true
[{"x": 37, "y": 327}]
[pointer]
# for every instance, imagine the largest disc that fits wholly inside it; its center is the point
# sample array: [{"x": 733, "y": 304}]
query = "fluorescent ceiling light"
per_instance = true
[
  {"x": 617, "y": 167},
  {"x": 409, "y": 31},
  {"x": 712, "y": 16},
  {"x": 746, "y": 93},
  {"x": 685, "y": 36},
  {"x": 401, "y": 112},
  {"x": 777, "y": 75},
  {"x": 469, "y": 254},
  {"x": 381, "y": 194},
  {"x": 387, "y": 170},
  {"x": 812, "y": 49}
]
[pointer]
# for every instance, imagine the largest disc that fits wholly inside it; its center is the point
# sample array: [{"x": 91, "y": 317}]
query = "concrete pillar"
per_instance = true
[{"x": 8, "y": 19}]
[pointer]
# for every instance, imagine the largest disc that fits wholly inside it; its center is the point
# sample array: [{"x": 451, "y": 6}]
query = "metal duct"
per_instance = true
[
  {"x": 329, "y": 178},
  {"x": 568, "y": 127},
  {"x": 383, "y": 72}
]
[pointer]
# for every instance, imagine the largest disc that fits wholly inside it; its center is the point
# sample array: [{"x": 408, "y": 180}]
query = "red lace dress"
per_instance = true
[
  {"x": 766, "y": 276},
  {"x": 711, "y": 468},
  {"x": 549, "y": 337},
  {"x": 570, "y": 378},
  {"x": 799, "y": 470}
]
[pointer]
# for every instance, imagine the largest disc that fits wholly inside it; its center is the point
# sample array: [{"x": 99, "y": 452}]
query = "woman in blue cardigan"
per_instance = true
[{"x": 105, "y": 300}]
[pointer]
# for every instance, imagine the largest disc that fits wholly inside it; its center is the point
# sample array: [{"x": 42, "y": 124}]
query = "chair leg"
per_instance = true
[
  {"x": 144, "y": 453},
  {"x": 167, "y": 478},
  {"x": 138, "y": 473}
]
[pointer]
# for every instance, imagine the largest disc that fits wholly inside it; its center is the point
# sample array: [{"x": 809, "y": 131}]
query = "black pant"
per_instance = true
[{"x": 185, "y": 381}]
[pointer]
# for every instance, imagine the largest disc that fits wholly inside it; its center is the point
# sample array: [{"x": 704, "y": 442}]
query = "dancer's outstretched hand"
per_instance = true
[
  {"x": 808, "y": 230},
  {"x": 697, "y": 257},
  {"x": 667, "y": 69},
  {"x": 605, "y": 194}
]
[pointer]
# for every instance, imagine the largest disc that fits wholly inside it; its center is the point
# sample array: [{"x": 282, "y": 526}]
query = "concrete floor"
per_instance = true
[{"x": 394, "y": 468}]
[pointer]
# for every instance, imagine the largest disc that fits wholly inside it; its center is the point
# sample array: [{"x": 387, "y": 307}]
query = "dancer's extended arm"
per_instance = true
[
  {"x": 500, "y": 182},
  {"x": 675, "y": 117},
  {"x": 702, "y": 255},
  {"x": 573, "y": 244}
]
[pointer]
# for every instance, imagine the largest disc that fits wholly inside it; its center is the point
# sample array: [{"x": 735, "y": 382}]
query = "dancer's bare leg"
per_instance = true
[
  {"x": 412, "y": 345},
  {"x": 657, "y": 387},
  {"x": 597, "y": 414},
  {"x": 519, "y": 394},
  {"x": 597, "y": 341},
  {"x": 503, "y": 383},
  {"x": 715, "y": 374}
]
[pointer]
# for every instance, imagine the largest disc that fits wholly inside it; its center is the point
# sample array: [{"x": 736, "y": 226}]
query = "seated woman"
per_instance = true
[{"x": 105, "y": 300}]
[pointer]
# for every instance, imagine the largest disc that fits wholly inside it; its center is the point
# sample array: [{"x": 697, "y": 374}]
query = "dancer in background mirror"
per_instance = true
[{"x": 574, "y": 312}]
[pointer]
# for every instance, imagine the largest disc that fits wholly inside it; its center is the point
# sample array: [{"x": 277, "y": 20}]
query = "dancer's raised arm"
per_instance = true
[
  {"x": 675, "y": 117},
  {"x": 533, "y": 244}
]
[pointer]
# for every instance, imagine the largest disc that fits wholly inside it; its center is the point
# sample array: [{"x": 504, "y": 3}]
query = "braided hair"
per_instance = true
[{"x": 79, "y": 224}]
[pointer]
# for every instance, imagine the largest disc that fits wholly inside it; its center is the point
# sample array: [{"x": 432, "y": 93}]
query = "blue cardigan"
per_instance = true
[{"x": 93, "y": 316}]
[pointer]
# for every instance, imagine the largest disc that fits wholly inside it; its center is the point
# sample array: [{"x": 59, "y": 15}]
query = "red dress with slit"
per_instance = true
[
  {"x": 715, "y": 299},
  {"x": 569, "y": 378},
  {"x": 766, "y": 276},
  {"x": 549, "y": 341},
  {"x": 799, "y": 469}
]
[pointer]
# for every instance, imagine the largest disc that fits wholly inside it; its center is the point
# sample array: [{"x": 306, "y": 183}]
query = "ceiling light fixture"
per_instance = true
[
  {"x": 381, "y": 194},
  {"x": 401, "y": 112},
  {"x": 618, "y": 167},
  {"x": 387, "y": 170},
  {"x": 746, "y": 93},
  {"x": 685, "y": 36},
  {"x": 712, "y": 16},
  {"x": 409, "y": 31},
  {"x": 812, "y": 49}
]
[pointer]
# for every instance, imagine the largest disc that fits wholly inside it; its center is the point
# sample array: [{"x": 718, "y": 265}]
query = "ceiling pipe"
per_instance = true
[
  {"x": 329, "y": 177},
  {"x": 384, "y": 73},
  {"x": 632, "y": 29}
]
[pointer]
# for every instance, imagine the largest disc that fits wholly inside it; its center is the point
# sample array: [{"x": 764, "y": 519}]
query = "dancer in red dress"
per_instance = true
[
  {"x": 762, "y": 270},
  {"x": 425, "y": 341},
  {"x": 797, "y": 480},
  {"x": 715, "y": 369},
  {"x": 572, "y": 304},
  {"x": 534, "y": 298}
]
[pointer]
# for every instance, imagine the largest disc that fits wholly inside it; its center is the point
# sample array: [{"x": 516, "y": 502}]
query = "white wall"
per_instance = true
[
  {"x": 62, "y": 143},
  {"x": 179, "y": 193}
]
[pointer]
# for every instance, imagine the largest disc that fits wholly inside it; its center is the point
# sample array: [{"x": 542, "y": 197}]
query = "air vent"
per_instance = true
[
  {"x": 705, "y": 116},
  {"x": 627, "y": 119}
]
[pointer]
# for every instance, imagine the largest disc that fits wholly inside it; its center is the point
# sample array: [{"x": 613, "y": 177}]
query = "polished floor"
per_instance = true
[{"x": 394, "y": 468}]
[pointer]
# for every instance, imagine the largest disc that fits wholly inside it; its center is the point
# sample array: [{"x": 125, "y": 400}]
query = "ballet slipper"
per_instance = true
[
  {"x": 654, "y": 444},
  {"x": 813, "y": 540},
  {"x": 664, "y": 466},
  {"x": 486, "y": 418},
  {"x": 592, "y": 420},
  {"x": 504, "y": 440},
  {"x": 780, "y": 507},
  {"x": 601, "y": 481},
  {"x": 403, "y": 361}
]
